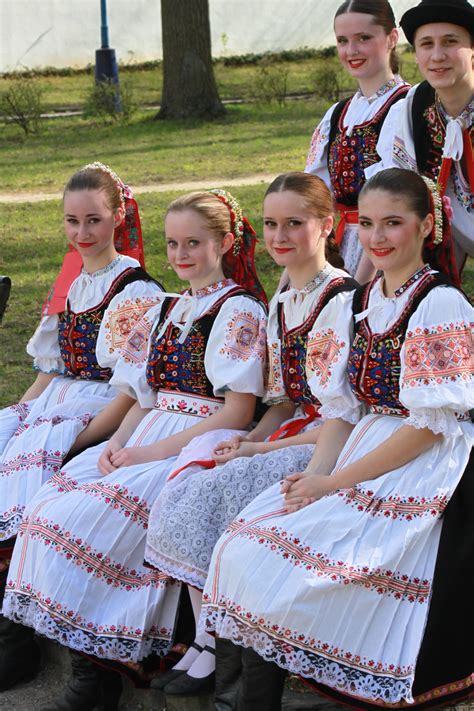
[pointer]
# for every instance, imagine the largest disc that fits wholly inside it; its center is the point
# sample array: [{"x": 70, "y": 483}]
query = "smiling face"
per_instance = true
[
  {"x": 90, "y": 223},
  {"x": 193, "y": 251},
  {"x": 293, "y": 237},
  {"x": 444, "y": 55},
  {"x": 391, "y": 234},
  {"x": 364, "y": 47}
]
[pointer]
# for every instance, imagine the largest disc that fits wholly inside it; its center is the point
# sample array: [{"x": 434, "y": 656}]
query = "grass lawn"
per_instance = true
[
  {"x": 249, "y": 139},
  {"x": 69, "y": 92}
]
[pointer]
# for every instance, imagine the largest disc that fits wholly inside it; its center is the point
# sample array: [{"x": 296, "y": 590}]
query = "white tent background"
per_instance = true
[{"x": 66, "y": 33}]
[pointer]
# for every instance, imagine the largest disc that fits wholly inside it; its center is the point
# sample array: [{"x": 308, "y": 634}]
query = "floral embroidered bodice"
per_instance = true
[
  {"x": 350, "y": 155},
  {"x": 374, "y": 364},
  {"x": 78, "y": 332},
  {"x": 175, "y": 365}
]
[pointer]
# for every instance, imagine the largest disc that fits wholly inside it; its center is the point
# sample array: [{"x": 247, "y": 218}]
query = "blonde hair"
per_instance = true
[{"x": 208, "y": 206}]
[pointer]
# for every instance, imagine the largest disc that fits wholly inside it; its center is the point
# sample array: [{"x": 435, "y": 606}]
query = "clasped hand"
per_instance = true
[
  {"x": 237, "y": 446},
  {"x": 115, "y": 456},
  {"x": 304, "y": 488}
]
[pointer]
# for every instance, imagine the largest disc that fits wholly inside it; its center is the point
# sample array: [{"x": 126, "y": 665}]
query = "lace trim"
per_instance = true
[
  {"x": 178, "y": 571},
  {"x": 317, "y": 665},
  {"x": 343, "y": 412},
  {"x": 111, "y": 265},
  {"x": 117, "y": 644},
  {"x": 439, "y": 421}
]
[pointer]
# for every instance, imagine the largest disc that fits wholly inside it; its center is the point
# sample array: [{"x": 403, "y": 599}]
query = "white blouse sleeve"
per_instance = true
[
  {"x": 236, "y": 350},
  {"x": 130, "y": 369},
  {"x": 43, "y": 346},
  {"x": 121, "y": 316},
  {"x": 437, "y": 362},
  {"x": 317, "y": 158},
  {"x": 326, "y": 360}
]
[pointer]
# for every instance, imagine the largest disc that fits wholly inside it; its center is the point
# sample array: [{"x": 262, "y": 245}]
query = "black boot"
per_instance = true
[
  {"x": 262, "y": 684},
  {"x": 19, "y": 653},
  {"x": 228, "y": 673},
  {"x": 84, "y": 689}
]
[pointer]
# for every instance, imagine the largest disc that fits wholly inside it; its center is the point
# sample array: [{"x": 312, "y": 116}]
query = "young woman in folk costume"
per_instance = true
[
  {"x": 100, "y": 292},
  {"x": 194, "y": 362},
  {"x": 339, "y": 590},
  {"x": 196, "y": 506},
  {"x": 343, "y": 147},
  {"x": 432, "y": 131}
]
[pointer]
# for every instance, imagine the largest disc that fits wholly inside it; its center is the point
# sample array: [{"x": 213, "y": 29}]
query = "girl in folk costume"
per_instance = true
[
  {"x": 432, "y": 131},
  {"x": 196, "y": 506},
  {"x": 100, "y": 292},
  {"x": 343, "y": 147},
  {"x": 194, "y": 362},
  {"x": 339, "y": 591}
]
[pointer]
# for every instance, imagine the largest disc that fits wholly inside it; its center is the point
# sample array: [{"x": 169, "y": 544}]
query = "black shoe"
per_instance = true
[
  {"x": 186, "y": 685},
  {"x": 161, "y": 681},
  {"x": 261, "y": 685}
]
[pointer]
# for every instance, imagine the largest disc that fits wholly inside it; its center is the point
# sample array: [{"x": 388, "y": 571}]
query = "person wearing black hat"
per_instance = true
[{"x": 431, "y": 131}]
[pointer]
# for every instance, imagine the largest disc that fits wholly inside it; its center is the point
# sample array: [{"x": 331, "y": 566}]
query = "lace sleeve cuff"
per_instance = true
[{"x": 440, "y": 421}]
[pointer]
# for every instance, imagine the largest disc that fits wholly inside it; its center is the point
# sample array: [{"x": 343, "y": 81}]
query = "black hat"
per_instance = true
[{"x": 456, "y": 12}]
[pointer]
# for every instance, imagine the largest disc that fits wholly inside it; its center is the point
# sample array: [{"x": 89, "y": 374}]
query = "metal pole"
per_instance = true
[{"x": 104, "y": 30}]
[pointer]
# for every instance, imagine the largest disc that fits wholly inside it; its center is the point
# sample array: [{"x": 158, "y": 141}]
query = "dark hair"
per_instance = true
[
  {"x": 408, "y": 185},
  {"x": 382, "y": 12},
  {"x": 96, "y": 179},
  {"x": 402, "y": 183},
  {"x": 318, "y": 201}
]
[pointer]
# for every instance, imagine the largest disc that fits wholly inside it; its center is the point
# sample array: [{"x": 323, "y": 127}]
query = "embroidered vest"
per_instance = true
[
  {"x": 180, "y": 366},
  {"x": 294, "y": 343},
  {"x": 78, "y": 333},
  {"x": 429, "y": 131},
  {"x": 348, "y": 156},
  {"x": 374, "y": 365}
]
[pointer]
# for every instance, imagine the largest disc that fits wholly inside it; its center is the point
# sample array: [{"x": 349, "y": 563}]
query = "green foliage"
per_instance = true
[
  {"x": 20, "y": 103},
  {"x": 330, "y": 81},
  {"x": 271, "y": 83}
]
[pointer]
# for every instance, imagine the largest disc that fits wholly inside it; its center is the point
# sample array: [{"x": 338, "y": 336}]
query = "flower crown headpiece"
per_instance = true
[
  {"x": 97, "y": 165},
  {"x": 236, "y": 216},
  {"x": 437, "y": 202}
]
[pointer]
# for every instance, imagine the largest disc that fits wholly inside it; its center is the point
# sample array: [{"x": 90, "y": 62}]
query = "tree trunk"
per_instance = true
[{"x": 189, "y": 87}]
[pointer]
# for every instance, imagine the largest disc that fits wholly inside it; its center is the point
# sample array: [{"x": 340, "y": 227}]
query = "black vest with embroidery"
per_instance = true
[
  {"x": 180, "y": 366},
  {"x": 429, "y": 131},
  {"x": 348, "y": 156},
  {"x": 78, "y": 333},
  {"x": 374, "y": 365},
  {"x": 294, "y": 343}
]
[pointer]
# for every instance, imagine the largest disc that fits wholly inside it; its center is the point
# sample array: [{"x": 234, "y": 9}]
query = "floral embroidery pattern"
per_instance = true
[
  {"x": 318, "y": 141},
  {"x": 9, "y": 521},
  {"x": 394, "y": 507},
  {"x": 121, "y": 322},
  {"x": 384, "y": 582},
  {"x": 245, "y": 337},
  {"x": 185, "y": 404},
  {"x": 62, "y": 483},
  {"x": 324, "y": 351},
  {"x": 312, "y": 658},
  {"x": 274, "y": 383},
  {"x": 135, "y": 348},
  {"x": 119, "y": 498},
  {"x": 93, "y": 562},
  {"x": 58, "y": 622},
  {"x": 47, "y": 460},
  {"x": 438, "y": 355}
]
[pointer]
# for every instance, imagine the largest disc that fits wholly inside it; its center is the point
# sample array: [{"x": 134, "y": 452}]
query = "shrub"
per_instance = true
[
  {"x": 271, "y": 83},
  {"x": 329, "y": 82},
  {"x": 107, "y": 100},
  {"x": 21, "y": 104}
]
